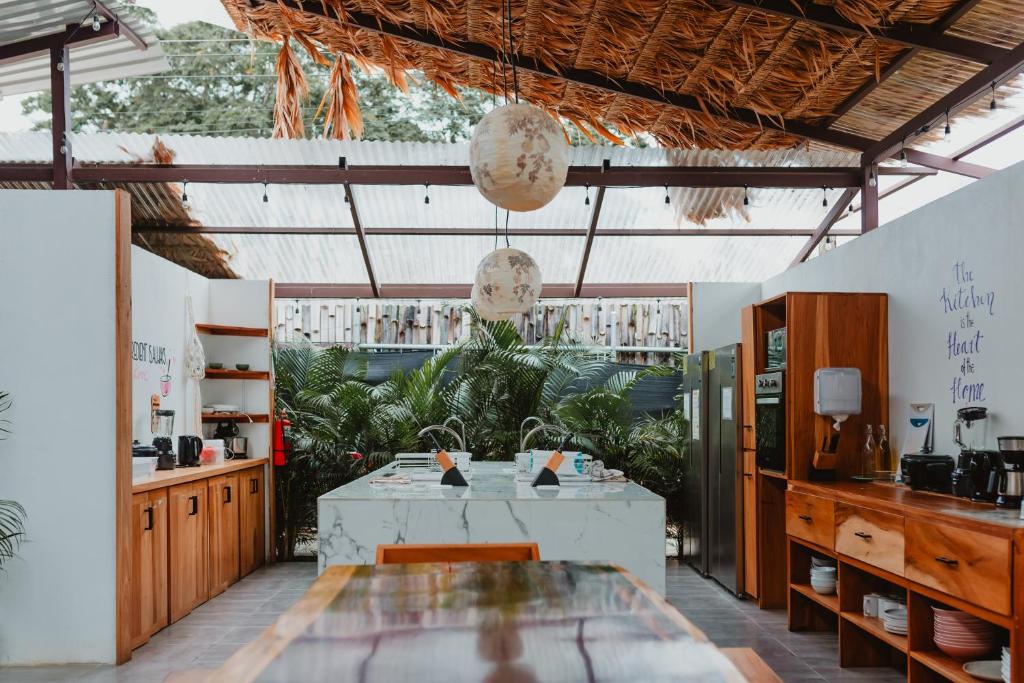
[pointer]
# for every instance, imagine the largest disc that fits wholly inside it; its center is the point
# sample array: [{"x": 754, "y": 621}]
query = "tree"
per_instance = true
[{"x": 222, "y": 83}]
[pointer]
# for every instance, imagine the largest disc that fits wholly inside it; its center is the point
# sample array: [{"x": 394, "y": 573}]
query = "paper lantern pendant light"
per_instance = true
[
  {"x": 507, "y": 282},
  {"x": 518, "y": 157}
]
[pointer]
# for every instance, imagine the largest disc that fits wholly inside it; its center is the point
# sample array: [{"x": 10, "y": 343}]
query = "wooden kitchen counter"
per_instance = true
[
  {"x": 923, "y": 505},
  {"x": 181, "y": 475}
]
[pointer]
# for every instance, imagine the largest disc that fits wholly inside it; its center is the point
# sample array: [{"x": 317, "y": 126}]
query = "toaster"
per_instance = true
[{"x": 928, "y": 472}]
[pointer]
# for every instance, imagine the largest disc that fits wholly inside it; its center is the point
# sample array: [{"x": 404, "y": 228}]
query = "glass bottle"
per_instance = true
[
  {"x": 883, "y": 461},
  {"x": 867, "y": 456}
]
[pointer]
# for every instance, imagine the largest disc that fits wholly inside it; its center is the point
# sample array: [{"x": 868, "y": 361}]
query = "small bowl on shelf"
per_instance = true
[
  {"x": 241, "y": 366},
  {"x": 215, "y": 366}
]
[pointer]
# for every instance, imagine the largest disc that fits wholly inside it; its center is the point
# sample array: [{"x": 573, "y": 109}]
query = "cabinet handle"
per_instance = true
[
  {"x": 806, "y": 518},
  {"x": 747, "y": 474},
  {"x": 227, "y": 494},
  {"x": 254, "y": 485},
  {"x": 149, "y": 519},
  {"x": 195, "y": 505},
  {"x": 948, "y": 561},
  {"x": 862, "y": 535}
]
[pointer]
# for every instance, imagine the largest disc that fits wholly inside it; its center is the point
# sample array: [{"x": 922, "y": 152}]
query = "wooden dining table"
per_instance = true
[{"x": 514, "y": 622}]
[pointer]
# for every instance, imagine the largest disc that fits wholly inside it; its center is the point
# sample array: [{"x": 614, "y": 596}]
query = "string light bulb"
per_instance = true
[
  {"x": 948, "y": 129},
  {"x": 903, "y": 153},
  {"x": 824, "y": 197},
  {"x": 426, "y": 193},
  {"x": 746, "y": 197},
  {"x": 872, "y": 182},
  {"x": 95, "y": 22},
  {"x": 586, "y": 200},
  {"x": 667, "y": 200},
  {"x": 266, "y": 199},
  {"x": 185, "y": 204},
  {"x": 992, "y": 103}
]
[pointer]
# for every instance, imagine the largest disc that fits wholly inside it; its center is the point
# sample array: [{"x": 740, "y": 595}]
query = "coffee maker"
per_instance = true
[
  {"x": 972, "y": 477},
  {"x": 162, "y": 426},
  {"x": 1011, "y": 478}
]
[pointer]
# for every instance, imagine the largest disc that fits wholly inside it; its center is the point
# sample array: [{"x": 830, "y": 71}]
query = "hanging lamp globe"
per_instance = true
[
  {"x": 507, "y": 282},
  {"x": 518, "y": 157}
]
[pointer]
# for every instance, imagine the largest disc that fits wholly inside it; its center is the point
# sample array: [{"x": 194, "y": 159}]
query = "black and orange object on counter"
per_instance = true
[
  {"x": 452, "y": 476},
  {"x": 548, "y": 474}
]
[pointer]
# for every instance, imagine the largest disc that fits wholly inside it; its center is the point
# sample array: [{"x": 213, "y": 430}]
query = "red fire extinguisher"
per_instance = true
[{"x": 282, "y": 440}]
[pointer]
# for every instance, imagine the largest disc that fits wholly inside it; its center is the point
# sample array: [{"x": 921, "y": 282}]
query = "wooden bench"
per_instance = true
[
  {"x": 465, "y": 552},
  {"x": 751, "y": 665}
]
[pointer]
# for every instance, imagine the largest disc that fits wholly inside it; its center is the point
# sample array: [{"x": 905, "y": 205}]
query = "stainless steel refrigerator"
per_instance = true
[{"x": 711, "y": 396}]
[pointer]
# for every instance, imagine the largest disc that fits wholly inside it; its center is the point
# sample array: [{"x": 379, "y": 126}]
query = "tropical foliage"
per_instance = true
[
  {"x": 343, "y": 426},
  {"x": 12, "y": 515}
]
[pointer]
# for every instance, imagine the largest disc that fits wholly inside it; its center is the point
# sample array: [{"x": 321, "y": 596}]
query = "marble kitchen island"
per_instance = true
[{"x": 620, "y": 523}]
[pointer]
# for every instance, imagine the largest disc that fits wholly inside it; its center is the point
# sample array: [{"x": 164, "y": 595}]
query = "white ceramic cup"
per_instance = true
[{"x": 871, "y": 605}]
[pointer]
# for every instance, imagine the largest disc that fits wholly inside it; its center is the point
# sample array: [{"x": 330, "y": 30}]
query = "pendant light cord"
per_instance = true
[
  {"x": 511, "y": 55},
  {"x": 507, "y": 212},
  {"x": 504, "y": 56}
]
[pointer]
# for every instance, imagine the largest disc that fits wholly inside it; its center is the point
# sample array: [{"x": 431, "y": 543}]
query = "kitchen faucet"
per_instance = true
[
  {"x": 462, "y": 428},
  {"x": 522, "y": 425},
  {"x": 543, "y": 427},
  {"x": 442, "y": 428}
]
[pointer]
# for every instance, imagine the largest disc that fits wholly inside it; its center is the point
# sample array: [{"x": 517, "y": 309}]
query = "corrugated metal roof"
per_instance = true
[{"x": 114, "y": 58}]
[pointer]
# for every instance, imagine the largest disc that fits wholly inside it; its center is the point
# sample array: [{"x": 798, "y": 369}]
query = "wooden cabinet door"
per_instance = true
[
  {"x": 149, "y": 607},
  {"x": 189, "y": 547},
  {"x": 223, "y": 502},
  {"x": 750, "y": 523},
  {"x": 748, "y": 368},
  {"x": 250, "y": 519}
]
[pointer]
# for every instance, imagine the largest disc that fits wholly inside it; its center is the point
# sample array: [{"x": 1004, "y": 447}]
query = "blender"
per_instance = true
[
  {"x": 972, "y": 476},
  {"x": 162, "y": 426}
]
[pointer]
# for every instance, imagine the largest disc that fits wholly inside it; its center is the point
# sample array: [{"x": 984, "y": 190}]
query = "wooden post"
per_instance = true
[
  {"x": 60, "y": 89},
  {"x": 869, "y": 199}
]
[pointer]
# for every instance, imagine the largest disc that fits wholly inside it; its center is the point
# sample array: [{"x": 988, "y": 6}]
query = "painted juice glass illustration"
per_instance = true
[{"x": 165, "y": 380}]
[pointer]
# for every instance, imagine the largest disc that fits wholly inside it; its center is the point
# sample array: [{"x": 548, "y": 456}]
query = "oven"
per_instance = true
[{"x": 770, "y": 421}]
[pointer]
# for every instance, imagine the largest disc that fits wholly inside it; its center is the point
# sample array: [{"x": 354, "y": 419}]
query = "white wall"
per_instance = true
[
  {"x": 716, "y": 312},
  {"x": 57, "y": 255},
  {"x": 915, "y": 258},
  {"x": 159, "y": 329}
]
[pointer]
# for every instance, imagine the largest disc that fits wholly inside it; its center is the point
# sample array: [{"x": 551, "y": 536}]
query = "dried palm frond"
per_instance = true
[
  {"x": 159, "y": 153},
  {"x": 292, "y": 91},
  {"x": 340, "y": 103}
]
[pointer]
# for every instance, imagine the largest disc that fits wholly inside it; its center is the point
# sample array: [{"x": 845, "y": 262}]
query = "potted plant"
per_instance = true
[{"x": 12, "y": 515}]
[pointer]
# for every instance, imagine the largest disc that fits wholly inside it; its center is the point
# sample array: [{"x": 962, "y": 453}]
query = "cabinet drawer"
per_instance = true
[
  {"x": 965, "y": 564},
  {"x": 870, "y": 536},
  {"x": 811, "y": 518}
]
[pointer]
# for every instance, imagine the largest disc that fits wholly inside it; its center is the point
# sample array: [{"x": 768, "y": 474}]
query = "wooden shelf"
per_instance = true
[
  {"x": 235, "y": 417},
  {"x": 943, "y": 665},
  {"x": 224, "y": 373},
  {"x": 772, "y": 473},
  {"x": 874, "y": 627},
  {"x": 231, "y": 330},
  {"x": 829, "y": 602}
]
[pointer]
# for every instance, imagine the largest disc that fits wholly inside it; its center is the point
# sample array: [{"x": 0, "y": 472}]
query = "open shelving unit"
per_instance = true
[
  {"x": 231, "y": 330},
  {"x": 863, "y": 641},
  {"x": 257, "y": 418},
  {"x": 224, "y": 373}
]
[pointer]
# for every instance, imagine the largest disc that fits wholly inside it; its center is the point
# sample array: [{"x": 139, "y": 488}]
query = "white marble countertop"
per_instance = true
[{"x": 490, "y": 481}]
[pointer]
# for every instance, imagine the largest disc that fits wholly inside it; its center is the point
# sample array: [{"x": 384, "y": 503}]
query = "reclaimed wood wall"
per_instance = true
[{"x": 607, "y": 322}]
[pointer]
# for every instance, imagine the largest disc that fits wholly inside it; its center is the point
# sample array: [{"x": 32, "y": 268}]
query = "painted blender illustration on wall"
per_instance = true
[{"x": 165, "y": 380}]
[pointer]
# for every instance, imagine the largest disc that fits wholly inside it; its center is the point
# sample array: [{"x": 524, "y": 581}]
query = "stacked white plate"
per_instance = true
[
  {"x": 823, "y": 580},
  {"x": 895, "y": 620},
  {"x": 1006, "y": 665}
]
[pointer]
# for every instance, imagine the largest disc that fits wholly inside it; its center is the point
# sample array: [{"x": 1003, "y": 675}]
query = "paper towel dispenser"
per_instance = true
[{"x": 837, "y": 393}]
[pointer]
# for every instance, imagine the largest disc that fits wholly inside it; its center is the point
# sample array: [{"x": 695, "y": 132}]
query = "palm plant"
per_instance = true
[{"x": 12, "y": 515}]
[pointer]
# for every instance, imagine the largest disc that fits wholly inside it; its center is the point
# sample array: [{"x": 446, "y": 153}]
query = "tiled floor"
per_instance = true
[{"x": 205, "y": 638}]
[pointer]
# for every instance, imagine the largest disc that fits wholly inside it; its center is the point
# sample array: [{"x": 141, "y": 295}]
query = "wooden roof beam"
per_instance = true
[
  {"x": 826, "y": 224},
  {"x": 919, "y": 36},
  {"x": 739, "y": 231},
  {"x": 361, "y": 238},
  {"x": 961, "y": 97},
  {"x": 125, "y": 30},
  {"x": 422, "y": 36},
  {"x": 940, "y": 163},
  {"x": 72, "y": 36},
  {"x": 595, "y": 216},
  {"x": 328, "y": 290}
]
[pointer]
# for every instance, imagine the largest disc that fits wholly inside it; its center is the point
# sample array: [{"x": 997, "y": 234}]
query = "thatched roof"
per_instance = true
[{"x": 727, "y": 57}]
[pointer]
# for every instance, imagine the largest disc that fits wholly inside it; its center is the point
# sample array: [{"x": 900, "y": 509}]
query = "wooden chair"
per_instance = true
[
  {"x": 751, "y": 665},
  {"x": 466, "y": 552}
]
